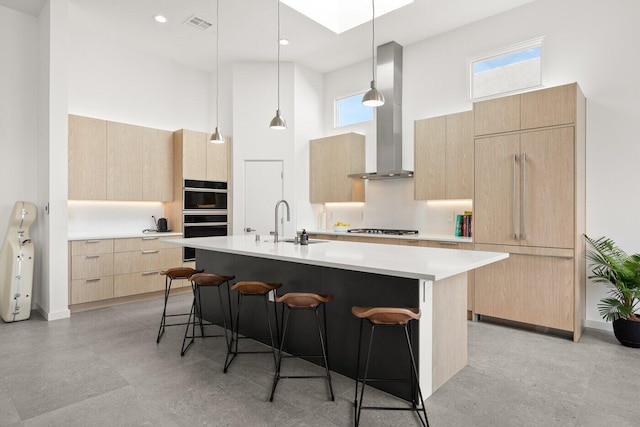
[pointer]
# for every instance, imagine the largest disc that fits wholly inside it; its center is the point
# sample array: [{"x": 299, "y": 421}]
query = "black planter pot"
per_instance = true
[{"x": 627, "y": 332}]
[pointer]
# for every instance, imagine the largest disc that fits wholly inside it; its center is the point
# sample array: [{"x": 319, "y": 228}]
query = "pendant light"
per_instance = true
[
  {"x": 373, "y": 98},
  {"x": 217, "y": 137},
  {"x": 278, "y": 121}
]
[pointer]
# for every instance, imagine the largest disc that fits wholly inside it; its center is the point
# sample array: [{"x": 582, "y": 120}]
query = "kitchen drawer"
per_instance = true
[
  {"x": 92, "y": 289},
  {"x": 147, "y": 260},
  {"x": 91, "y": 247},
  {"x": 143, "y": 243},
  {"x": 90, "y": 266},
  {"x": 137, "y": 283}
]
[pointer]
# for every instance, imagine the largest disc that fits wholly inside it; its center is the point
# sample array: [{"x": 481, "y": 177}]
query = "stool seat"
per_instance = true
[
  {"x": 210, "y": 279},
  {"x": 171, "y": 274},
  {"x": 303, "y": 299},
  {"x": 386, "y": 315},
  {"x": 255, "y": 288},
  {"x": 180, "y": 272}
]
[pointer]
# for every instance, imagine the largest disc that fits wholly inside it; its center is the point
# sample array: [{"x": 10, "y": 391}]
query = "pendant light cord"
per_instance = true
[
  {"x": 373, "y": 40},
  {"x": 217, "y": 62},
  {"x": 278, "y": 55}
]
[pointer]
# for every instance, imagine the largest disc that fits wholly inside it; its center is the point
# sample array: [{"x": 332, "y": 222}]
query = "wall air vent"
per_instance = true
[{"x": 199, "y": 23}]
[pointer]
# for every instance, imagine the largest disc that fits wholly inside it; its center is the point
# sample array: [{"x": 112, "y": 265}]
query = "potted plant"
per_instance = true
[{"x": 621, "y": 273}]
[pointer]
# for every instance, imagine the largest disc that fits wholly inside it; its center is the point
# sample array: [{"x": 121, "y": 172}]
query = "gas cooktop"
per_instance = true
[{"x": 382, "y": 231}]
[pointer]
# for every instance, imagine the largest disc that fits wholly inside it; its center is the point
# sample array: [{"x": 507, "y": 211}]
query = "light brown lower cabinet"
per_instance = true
[
  {"x": 105, "y": 269},
  {"x": 534, "y": 289}
]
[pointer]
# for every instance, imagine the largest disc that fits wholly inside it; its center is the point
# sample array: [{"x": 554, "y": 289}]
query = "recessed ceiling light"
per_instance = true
[
  {"x": 161, "y": 19},
  {"x": 283, "y": 41}
]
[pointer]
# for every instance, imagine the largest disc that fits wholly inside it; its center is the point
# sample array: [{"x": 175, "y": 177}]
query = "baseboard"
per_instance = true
[
  {"x": 598, "y": 324},
  {"x": 56, "y": 315}
]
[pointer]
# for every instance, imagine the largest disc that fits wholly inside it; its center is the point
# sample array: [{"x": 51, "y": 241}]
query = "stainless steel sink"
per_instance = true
[{"x": 293, "y": 241}]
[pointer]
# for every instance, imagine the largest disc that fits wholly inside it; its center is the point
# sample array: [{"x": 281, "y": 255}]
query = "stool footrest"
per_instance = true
[
  {"x": 302, "y": 376},
  {"x": 392, "y": 408},
  {"x": 383, "y": 380}
]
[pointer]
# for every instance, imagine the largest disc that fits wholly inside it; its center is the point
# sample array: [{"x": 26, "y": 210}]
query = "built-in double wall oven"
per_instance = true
[{"x": 204, "y": 211}]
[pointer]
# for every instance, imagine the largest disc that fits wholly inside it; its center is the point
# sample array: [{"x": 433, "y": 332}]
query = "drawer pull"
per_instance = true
[
  {"x": 448, "y": 243},
  {"x": 92, "y": 256},
  {"x": 93, "y": 241},
  {"x": 149, "y": 238},
  {"x": 151, "y": 252},
  {"x": 93, "y": 279},
  {"x": 149, "y": 273}
]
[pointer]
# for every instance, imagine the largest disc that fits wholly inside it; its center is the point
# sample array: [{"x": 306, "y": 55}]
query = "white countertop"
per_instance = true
[
  {"x": 401, "y": 261},
  {"x": 421, "y": 236},
  {"x": 100, "y": 236}
]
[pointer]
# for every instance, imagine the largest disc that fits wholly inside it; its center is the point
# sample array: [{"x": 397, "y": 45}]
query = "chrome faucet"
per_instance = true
[{"x": 275, "y": 233}]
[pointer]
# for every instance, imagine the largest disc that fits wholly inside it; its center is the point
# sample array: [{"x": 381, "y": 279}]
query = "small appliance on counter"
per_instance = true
[{"x": 161, "y": 226}]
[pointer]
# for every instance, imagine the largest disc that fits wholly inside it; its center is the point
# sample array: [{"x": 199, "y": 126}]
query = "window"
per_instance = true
[
  {"x": 349, "y": 111},
  {"x": 507, "y": 70}
]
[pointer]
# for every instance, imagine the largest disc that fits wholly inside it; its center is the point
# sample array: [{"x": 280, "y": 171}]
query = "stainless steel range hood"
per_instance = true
[{"x": 388, "y": 116}]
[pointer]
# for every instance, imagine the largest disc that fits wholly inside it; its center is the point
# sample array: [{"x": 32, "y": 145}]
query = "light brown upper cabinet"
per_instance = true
[
  {"x": 201, "y": 159},
  {"x": 157, "y": 165},
  {"x": 541, "y": 108},
  {"x": 525, "y": 189},
  {"x": 124, "y": 161},
  {"x": 331, "y": 160},
  {"x": 443, "y": 157},
  {"x": 118, "y": 161},
  {"x": 87, "y": 158}
]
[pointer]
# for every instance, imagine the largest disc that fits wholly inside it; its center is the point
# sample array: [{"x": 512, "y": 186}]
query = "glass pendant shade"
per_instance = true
[
  {"x": 216, "y": 137},
  {"x": 373, "y": 98},
  {"x": 278, "y": 122}
]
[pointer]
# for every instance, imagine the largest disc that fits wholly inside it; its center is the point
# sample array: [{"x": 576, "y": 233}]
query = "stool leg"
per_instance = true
[
  {"x": 192, "y": 313},
  {"x": 199, "y": 310},
  {"x": 167, "y": 289},
  {"x": 276, "y": 376},
  {"x": 273, "y": 346},
  {"x": 366, "y": 370},
  {"x": 324, "y": 350},
  {"x": 355, "y": 399},
  {"x": 231, "y": 354},
  {"x": 230, "y": 311},
  {"x": 224, "y": 321},
  {"x": 424, "y": 422}
]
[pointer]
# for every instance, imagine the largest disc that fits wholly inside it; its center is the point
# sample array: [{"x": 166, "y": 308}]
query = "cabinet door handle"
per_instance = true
[
  {"x": 149, "y": 273},
  {"x": 149, "y": 238},
  {"x": 151, "y": 251},
  {"x": 523, "y": 199},
  {"x": 93, "y": 241},
  {"x": 514, "y": 196},
  {"x": 448, "y": 243},
  {"x": 93, "y": 279},
  {"x": 92, "y": 256}
]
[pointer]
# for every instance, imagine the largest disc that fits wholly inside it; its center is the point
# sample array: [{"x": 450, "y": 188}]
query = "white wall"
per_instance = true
[
  {"x": 114, "y": 82},
  {"x": 588, "y": 42},
  {"x": 18, "y": 111}
]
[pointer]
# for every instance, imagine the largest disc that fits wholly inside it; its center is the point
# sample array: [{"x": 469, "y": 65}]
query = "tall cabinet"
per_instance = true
[{"x": 530, "y": 201}]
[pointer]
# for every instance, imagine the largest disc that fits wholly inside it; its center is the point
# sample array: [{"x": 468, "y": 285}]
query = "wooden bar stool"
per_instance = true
[
  {"x": 198, "y": 281},
  {"x": 177, "y": 273},
  {"x": 388, "y": 317},
  {"x": 295, "y": 301},
  {"x": 251, "y": 289}
]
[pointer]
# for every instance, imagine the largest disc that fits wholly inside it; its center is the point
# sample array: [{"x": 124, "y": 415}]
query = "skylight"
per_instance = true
[{"x": 340, "y": 15}]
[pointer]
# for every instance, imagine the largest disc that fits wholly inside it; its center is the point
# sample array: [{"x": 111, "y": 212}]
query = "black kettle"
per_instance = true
[{"x": 161, "y": 225}]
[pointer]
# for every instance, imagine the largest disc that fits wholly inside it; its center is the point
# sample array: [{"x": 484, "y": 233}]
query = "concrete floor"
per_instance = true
[{"x": 104, "y": 368}]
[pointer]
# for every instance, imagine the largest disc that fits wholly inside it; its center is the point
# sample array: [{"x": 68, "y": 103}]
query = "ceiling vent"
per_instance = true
[{"x": 199, "y": 23}]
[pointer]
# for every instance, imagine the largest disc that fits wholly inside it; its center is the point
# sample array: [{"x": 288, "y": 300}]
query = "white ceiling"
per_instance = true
[{"x": 248, "y": 29}]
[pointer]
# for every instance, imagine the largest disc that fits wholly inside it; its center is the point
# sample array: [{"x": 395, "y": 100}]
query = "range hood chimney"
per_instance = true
[{"x": 388, "y": 116}]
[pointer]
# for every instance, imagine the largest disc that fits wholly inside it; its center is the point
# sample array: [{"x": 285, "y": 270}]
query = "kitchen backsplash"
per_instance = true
[
  {"x": 390, "y": 204},
  {"x": 90, "y": 217}
]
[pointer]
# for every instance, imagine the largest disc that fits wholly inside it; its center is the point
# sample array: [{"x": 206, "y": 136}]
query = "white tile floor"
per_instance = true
[{"x": 104, "y": 368}]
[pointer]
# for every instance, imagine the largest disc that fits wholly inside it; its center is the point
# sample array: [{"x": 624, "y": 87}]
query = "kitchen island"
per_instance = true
[{"x": 362, "y": 274}]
